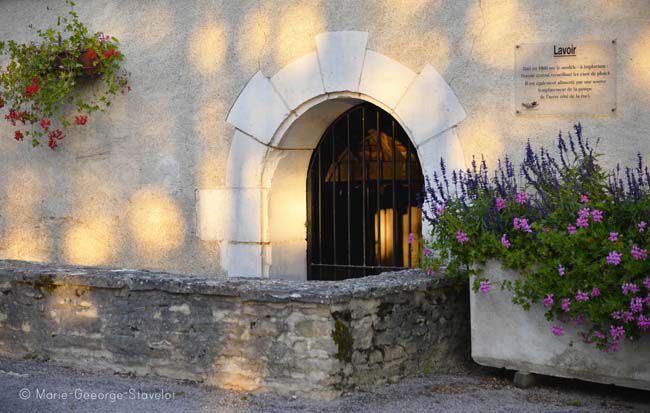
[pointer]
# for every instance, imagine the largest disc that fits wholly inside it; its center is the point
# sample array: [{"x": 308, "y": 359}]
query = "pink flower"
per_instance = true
[
  {"x": 583, "y": 213},
  {"x": 521, "y": 197},
  {"x": 613, "y": 236},
  {"x": 461, "y": 237},
  {"x": 614, "y": 258},
  {"x": 629, "y": 288},
  {"x": 599, "y": 335},
  {"x": 584, "y": 198},
  {"x": 638, "y": 253},
  {"x": 557, "y": 330},
  {"x": 504, "y": 241},
  {"x": 643, "y": 322},
  {"x": 636, "y": 305},
  {"x": 597, "y": 215},
  {"x": 616, "y": 332},
  {"x": 571, "y": 229},
  {"x": 431, "y": 272},
  {"x": 484, "y": 287},
  {"x": 566, "y": 305},
  {"x": 501, "y": 204},
  {"x": 548, "y": 300},
  {"x": 440, "y": 209},
  {"x": 426, "y": 252},
  {"x": 642, "y": 226},
  {"x": 628, "y": 316},
  {"x": 522, "y": 224},
  {"x": 582, "y": 223},
  {"x": 411, "y": 238},
  {"x": 561, "y": 270},
  {"x": 595, "y": 292},
  {"x": 581, "y": 296},
  {"x": 646, "y": 283}
]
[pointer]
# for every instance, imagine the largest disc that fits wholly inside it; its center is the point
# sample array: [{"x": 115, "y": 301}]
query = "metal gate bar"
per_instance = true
[{"x": 390, "y": 210}]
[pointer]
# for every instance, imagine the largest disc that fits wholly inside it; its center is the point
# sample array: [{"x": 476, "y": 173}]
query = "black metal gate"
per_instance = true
[{"x": 363, "y": 212}]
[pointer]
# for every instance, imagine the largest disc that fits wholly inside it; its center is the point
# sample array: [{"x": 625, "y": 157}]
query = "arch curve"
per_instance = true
[{"x": 278, "y": 122}]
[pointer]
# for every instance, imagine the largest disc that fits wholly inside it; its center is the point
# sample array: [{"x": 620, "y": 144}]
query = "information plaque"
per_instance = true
[{"x": 565, "y": 78}]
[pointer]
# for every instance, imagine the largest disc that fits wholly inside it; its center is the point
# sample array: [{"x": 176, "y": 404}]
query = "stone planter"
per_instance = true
[{"x": 506, "y": 336}]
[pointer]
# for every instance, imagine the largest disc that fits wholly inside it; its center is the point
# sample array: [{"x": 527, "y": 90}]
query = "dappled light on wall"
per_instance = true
[
  {"x": 156, "y": 223},
  {"x": 297, "y": 28},
  {"x": 27, "y": 242},
  {"x": 23, "y": 237},
  {"x": 91, "y": 242},
  {"x": 639, "y": 65},
  {"x": 481, "y": 134},
  {"x": 254, "y": 34},
  {"x": 236, "y": 373},
  {"x": 492, "y": 27},
  {"x": 207, "y": 47}
]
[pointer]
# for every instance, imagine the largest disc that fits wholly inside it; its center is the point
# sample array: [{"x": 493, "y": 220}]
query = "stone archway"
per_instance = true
[{"x": 279, "y": 120}]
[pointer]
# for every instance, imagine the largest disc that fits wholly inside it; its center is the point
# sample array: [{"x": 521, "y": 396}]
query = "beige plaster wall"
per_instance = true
[{"x": 122, "y": 191}]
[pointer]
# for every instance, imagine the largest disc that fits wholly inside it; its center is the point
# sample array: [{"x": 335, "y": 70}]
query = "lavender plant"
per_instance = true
[{"x": 577, "y": 235}]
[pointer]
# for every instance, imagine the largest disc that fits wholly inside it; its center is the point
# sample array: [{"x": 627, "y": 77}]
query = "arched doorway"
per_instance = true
[{"x": 363, "y": 187}]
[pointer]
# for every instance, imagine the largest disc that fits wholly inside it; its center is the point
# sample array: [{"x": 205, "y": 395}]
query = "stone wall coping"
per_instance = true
[{"x": 247, "y": 289}]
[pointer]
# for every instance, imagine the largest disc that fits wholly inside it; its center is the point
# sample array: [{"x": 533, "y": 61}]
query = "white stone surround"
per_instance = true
[{"x": 280, "y": 120}]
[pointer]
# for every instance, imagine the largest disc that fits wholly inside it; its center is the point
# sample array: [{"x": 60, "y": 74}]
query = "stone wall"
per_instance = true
[{"x": 289, "y": 337}]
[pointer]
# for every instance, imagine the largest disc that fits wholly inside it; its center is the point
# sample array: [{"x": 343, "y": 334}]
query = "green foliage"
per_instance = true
[
  {"x": 562, "y": 232},
  {"x": 342, "y": 336},
  {"x": 41, "y": 79}
]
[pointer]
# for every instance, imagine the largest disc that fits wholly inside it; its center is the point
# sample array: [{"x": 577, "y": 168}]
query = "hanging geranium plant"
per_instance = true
[{"x": 39, "y": 86}]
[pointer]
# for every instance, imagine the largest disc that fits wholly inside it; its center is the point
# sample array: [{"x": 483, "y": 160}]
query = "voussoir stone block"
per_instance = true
[
  {"x": 429, "y": 106},
  {"x": 341, "y": 56},
  {"x": 299, "y": 81},
  {"x": 245, "y": 162},
  {"x": 385, "y": 79},
  {"x": 259, "y": 110}
]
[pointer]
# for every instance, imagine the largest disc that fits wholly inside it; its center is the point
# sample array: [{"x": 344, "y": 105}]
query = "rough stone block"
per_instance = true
[{"x": 524, "y": 379}]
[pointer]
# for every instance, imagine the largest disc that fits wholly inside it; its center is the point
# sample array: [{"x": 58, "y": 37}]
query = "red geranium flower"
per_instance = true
[
  {"x": 111, "y": 53},
  {"x": 46, "y": 123},
  {"x": 54, "y": 136},
  {"x": 18, "y": 136},
  {"x": 90, "y": 54},
  {"x": 31, "y": 90},
  {"x": 81, "y": 120}
]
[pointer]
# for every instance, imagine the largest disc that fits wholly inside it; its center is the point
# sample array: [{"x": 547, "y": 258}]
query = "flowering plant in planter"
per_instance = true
[
  {"x": 577, "y": 236},
  {"x": 40, "y": 83}
]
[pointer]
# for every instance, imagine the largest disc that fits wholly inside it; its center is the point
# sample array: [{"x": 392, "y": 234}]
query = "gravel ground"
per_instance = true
[{"x": 470, "y": 390}]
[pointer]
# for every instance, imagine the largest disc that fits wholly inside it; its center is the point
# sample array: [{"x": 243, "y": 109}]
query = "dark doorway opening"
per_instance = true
[{"x": 363, "y": 211}]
